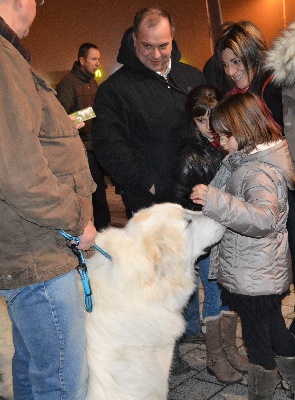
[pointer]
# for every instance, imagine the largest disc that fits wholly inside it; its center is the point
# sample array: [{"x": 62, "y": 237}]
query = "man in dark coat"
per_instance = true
[
  {"x": 77, "y": 91},
  {"x": 140, "y": 111}
]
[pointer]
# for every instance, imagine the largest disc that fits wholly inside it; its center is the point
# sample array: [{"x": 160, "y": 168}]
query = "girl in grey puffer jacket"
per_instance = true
[{"x": 252, "y": 261}]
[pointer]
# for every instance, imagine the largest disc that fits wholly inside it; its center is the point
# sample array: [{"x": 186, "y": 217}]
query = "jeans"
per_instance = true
[
  {"x": 192, "y": 313},
  {"x": 49, "y": 339},
  {"x": 212, "y": 303}
]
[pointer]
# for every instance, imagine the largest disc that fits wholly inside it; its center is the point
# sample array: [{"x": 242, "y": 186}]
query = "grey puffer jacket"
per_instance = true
[
  {"x": 281, "y": 60},
  {"x": 251, "y": 201}
]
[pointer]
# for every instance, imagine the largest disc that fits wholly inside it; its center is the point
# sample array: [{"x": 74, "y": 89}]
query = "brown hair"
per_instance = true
[
  {"x": 245, "y": 117},
  {"x": 246, "y": 41},
  {"x": 201, "y": 99},
  {"x": 84, "y": 49},
  {"x": 153, "y": 15}
]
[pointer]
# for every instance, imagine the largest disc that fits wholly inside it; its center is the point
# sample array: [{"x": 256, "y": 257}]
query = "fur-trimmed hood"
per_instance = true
[{"x": 281, "y": 57}]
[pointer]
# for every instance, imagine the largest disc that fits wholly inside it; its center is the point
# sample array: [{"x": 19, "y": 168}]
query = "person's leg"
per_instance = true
[
  {"x": 101, "y": 212},
  {"x": 193, "y": 331},
  {"x": 50, "y": 341},
  {"x": 229, "y": 321},
  {"x": 291, "y": 238},
  {"x": 283, "y": 343},
  {"x": 217, "y": 323},
  {"x": 212, "y": 304},
  {"x": 256, "y": 336},
  {"x": 216, "y": 361},
  {"x": 262, "y": 375},
  {"x": 291, "y": 228}
]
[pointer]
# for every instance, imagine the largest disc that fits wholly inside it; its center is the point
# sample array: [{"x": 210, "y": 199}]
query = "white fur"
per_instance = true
[
  {"x": 281, "y": 57},
  {"x": 138, "y": 300}
]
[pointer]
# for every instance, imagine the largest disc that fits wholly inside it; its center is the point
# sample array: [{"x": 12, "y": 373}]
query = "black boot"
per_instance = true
[
  {"x": 261, "y": 383},
  {"x": 179, "y": 366},
  {"x": 286, "y": 367}
]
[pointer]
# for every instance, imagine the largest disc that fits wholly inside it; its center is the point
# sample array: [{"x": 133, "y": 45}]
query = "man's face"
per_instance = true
[
  {"x": 153, "y": 46},
  {"x": 91, "y": 62}
]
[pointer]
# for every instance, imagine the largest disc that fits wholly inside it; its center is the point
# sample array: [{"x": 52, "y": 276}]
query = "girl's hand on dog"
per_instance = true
[{"x": 199, "y": 194}]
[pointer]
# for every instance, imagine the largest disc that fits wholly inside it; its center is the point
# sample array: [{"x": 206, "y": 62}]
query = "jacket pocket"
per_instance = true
[
  {"x": 79, "y": 181},
  {"x": 55, "y": 121}
]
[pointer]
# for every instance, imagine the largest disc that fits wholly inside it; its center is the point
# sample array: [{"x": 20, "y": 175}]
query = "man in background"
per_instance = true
[{"x": 75, "y": 92}]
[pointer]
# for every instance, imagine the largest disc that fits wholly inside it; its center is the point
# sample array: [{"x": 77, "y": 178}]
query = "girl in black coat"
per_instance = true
[
  {"x": 200, "y": 154},
  {"x": 197, "y": 162}
]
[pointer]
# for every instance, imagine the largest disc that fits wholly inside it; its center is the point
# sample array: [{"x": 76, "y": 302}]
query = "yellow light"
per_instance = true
[{"x": 97, "y": 73}]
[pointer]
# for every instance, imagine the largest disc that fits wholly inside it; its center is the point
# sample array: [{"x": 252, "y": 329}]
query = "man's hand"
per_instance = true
[
  {"x": 87, "y": 239},
  {"x": 199, "y": 194},
  {"x": 79, "y": 125},
  {"x": 153, "y": 190}
]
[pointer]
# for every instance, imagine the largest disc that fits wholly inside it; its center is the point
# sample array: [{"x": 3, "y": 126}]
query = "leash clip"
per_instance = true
[{"x": 82, "y": 270}]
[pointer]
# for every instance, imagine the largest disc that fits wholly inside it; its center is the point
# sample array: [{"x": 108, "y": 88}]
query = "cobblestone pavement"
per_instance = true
[{"x": 198, "y": 384}]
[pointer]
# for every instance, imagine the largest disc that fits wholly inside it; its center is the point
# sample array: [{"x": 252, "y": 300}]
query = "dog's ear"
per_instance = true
[
  {"x": 163, "y": 250},
  {"x": 151, "y": 250}
]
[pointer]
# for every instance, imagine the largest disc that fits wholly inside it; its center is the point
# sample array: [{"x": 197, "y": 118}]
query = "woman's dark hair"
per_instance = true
[
  {"x": 201, "y": 99},
  {"x": 246, "y": 117},
  {"x": 246, "y": 41},
  {"x": 84, "y": 49},
  {"x": 153, "y": 15}
]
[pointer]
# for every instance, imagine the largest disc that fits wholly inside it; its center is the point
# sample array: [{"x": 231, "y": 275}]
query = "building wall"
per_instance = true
[{"x": 62, "y": 25}]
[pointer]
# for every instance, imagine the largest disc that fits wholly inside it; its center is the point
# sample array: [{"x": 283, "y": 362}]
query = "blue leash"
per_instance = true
[{"x": 82, "y": 268}]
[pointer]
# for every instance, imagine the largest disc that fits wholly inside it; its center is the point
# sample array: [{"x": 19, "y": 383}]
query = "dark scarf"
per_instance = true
[{"x": 12, "y": 37}]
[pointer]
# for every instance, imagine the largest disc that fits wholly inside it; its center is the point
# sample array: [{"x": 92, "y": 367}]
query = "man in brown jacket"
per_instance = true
[
  {"x": 76, "y": 91},
  {"x": 45, "y": 186}
]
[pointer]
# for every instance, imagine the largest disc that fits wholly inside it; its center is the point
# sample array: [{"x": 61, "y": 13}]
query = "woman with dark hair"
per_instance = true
[
  {"x": 198, "y": 162},
  {"x": 241, "y": 50},
  {"x": 249, "y": 195}
]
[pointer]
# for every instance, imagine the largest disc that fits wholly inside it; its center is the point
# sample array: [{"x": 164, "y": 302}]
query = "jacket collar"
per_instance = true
[
  {"x": 12, "y": 37},
  {"x": 78, "y": 73}
]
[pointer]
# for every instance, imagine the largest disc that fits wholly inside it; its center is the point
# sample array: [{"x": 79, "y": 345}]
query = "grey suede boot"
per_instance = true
[
  {"x": 217, "y": 363},
  {"x": 261, "y": 383},
  {"x": 229, "y": 322},
  {"x": 286, "y": 367}
]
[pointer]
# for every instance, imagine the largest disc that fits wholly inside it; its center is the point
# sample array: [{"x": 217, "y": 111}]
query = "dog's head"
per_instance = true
[
  {"x": 172, "y": 238},
  {"x": 153, "y": 256},
  {"x": 169, "y": 228}
]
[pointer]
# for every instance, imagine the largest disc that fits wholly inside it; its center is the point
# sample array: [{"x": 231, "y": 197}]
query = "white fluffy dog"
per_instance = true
[{"x": 138, "y": 300}]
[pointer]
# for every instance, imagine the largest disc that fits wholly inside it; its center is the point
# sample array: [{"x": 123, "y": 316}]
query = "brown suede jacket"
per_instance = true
[{"x": 45, "y": 179}]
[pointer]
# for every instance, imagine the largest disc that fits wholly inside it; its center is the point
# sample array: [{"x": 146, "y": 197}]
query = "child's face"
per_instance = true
[
  {"x": 203, "y": 126},
  {"x": 229, "y": 143}
]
